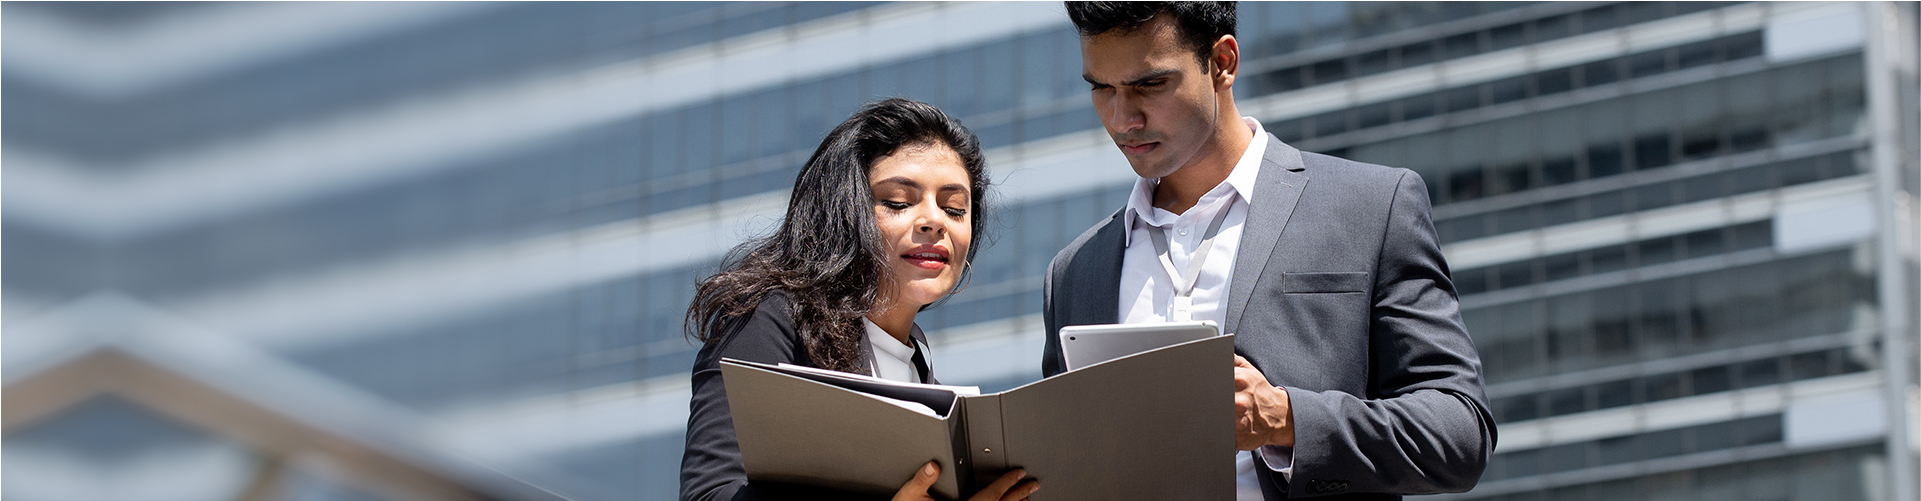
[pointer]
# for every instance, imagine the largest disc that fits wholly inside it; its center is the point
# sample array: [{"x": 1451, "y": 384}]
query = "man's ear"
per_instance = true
[{"x": 1226, "y": 62}]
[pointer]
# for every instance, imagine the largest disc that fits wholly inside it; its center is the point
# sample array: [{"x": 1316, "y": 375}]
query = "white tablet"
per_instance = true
[{"x": 1084, "y": 345}]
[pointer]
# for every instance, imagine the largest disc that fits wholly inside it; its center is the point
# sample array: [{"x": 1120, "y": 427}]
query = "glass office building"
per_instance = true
[{"x": 444, "y": 250}]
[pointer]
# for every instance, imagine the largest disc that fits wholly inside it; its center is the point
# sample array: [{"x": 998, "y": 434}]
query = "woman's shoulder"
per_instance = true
[
  {"x": 776, "y": 310},
  {"x": 766, "y": 335},
  {"x": 777, "y": 302}
]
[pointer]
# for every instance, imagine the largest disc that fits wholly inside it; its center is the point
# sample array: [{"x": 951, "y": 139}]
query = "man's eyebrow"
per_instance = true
[
  {"x": 1157, "y": 74},
  {"x": 1152, "y": 75}
]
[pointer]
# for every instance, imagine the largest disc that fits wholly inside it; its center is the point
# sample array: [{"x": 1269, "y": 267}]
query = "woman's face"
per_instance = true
[{"x": 925, "y": 213}]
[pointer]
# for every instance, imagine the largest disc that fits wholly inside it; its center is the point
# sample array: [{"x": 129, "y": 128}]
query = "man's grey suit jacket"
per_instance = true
[{"x": 1339, "y": 294}]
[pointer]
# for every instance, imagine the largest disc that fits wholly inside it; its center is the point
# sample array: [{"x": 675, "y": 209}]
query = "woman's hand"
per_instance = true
[{"x": 1001, "y": 490}]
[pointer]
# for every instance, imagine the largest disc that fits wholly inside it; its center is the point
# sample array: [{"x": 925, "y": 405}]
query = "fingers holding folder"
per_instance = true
[
  {"x": 1003, "y": 489},
  {"x": 1263, "y": 414}
]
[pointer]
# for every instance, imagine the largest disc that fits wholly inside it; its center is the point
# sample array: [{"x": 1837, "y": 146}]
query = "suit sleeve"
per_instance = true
[
  {"x": 710, "y": 467},
  {"x": 1428, "y": 430},
  {"x": 1051, "y": 362}
]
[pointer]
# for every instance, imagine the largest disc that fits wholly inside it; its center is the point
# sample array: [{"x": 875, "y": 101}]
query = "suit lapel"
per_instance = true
[
  {"x": 921, "y": 363},
  {"x": 1276, "y": 191},
  {"x": 1098, "y": 265}
]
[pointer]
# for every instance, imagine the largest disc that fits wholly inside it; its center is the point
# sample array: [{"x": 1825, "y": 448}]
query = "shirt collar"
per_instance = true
[
  {"x": 1240, "y": 182},
  {"x": 888, "y": 343}
]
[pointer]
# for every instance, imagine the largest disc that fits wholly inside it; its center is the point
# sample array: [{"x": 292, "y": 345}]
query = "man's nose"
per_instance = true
[{"x": 1127, "y": 115}]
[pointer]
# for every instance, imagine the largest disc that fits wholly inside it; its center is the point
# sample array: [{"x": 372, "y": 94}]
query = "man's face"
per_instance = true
[{"x": 1153, "y": 95}]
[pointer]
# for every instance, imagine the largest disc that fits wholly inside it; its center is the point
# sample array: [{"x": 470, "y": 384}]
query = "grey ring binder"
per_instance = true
[{"x": 1152, "y": 426}]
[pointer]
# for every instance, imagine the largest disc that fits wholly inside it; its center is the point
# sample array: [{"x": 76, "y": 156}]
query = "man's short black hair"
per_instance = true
[{"x": 1200, "y": 23}]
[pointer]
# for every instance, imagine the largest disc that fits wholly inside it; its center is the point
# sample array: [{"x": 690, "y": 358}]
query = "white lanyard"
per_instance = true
[{"x": 1183, "y": 310}]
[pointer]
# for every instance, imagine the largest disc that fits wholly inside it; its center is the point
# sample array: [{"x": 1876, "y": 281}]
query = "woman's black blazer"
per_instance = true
[{"x": 710, "y": 469}]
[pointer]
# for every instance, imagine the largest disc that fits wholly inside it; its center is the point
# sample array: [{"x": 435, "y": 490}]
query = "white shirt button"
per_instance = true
[{"x": 1183, "y": 231}]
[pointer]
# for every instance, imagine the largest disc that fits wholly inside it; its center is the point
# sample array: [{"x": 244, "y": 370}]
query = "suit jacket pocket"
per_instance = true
[{"x": 1324, "y": 282}]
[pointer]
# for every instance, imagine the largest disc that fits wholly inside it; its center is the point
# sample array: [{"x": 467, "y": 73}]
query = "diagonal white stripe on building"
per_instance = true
[
  {"x": 119, "y": 62},
  {"x": 372, "y": 146}
]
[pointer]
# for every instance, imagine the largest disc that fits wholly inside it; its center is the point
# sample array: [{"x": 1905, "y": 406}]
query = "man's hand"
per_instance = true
[
  {"x": 1261, "y": 413},
  {"x": 1001, "y": 490}
]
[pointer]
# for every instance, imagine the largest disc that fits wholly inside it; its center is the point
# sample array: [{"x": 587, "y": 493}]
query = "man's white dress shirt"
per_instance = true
[{"x": 1147, "y": 292}]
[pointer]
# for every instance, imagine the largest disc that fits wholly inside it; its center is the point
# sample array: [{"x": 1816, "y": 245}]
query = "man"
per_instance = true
[{"x": 1355, "y": 374}]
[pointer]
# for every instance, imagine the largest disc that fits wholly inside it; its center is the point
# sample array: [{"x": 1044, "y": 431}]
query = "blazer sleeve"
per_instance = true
[
  {"x": 710, "y": 468},
  {"x": 1051, "y": 361},
  {"x": 1428, "y": 430}
]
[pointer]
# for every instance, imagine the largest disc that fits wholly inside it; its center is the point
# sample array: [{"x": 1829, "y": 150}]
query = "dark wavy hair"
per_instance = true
[
  {"x": 828, "y": 255},
  {"x": 1201, "y": 23}
]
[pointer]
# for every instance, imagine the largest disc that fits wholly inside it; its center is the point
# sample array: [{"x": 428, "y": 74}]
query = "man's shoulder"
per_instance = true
[
  {"x": 1344, "y": 189},
  {"x": 1066, "y": 254},
  {"x": 1322, "y": 167}
]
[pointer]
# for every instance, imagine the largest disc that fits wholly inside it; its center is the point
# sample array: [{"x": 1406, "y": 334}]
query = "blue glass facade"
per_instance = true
[{"x": 1646, "y": 206}]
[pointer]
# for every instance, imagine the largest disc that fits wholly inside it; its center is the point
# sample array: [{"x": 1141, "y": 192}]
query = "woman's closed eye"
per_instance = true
[
  {"x": 955, "y": 212},
  {"x": 895, "y": 205}
]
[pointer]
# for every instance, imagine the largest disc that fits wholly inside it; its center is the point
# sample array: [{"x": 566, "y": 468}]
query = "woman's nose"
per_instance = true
[{"x": 929, "y": 224}]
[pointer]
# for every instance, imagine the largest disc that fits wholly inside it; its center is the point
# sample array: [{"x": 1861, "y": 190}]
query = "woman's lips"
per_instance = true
[
  {"x": 931, "y": 264},
  {"x": 1139, "y": 149},
  {"x": 931, "y": 257}
]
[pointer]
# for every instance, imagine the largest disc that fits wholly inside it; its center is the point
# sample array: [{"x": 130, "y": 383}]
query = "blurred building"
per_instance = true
[{"x": 390, "y": 251}]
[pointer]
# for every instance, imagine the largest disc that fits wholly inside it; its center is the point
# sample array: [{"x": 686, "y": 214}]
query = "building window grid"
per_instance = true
[
  {"x": 1050, "y": 124},
  {"x": 1646, "y": 195},
  {"x": 504, "y": 43},
  {"x": 1670, "y": 316},
  {"x": 1609, "y": 265},
  {"x": 1602, "y": 160},
  {"x": 754, "y": 175},
  {"x": 671, "y": 317},
  {"x": 584, "y": 321},
  {"x": 1738, "y": 173},
  {"x": 1485, "y": 95},
  {"x": 674, "y": 175},
  {"x": 1028, "y": 128},
  {"x": 654, "y": 346},
  {"x": 1560, "y": 458},
  {"x": 606, "y": 345},
  {"x": 620, "y": 331},
  {"x": 671, "y": 197},
  {"x": 1043, "y": 107},
  {"x": 1656, "y": 387},
  {"x": 704, "y": 152},
  {"x": 1441, "y": 186},
  {"x": 682, "y": 356},
  {"x": 1287, "y": 70},
  {"x": 1533, "y": 271},
  {"x": 1755, "y": 472}
]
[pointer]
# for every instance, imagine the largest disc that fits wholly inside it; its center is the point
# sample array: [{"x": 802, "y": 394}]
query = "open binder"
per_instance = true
[{"x": 1154, "y": 425}]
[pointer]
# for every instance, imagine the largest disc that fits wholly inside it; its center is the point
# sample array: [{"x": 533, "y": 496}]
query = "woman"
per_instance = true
[{"x": 881, "y": 224}]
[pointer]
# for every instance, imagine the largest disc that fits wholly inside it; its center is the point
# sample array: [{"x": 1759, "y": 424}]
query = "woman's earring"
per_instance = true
[{"x": 967, "y": 276}]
